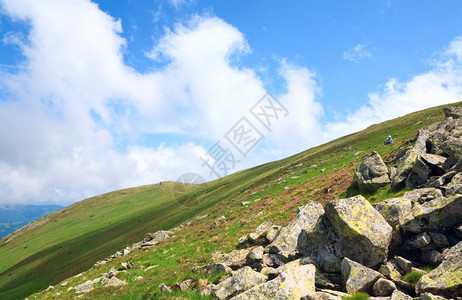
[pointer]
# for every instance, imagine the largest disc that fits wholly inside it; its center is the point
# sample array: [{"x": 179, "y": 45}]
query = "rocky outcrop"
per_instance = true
[
  {"x": 371, "y": 173},
  {"x": 446, "y": 279}
]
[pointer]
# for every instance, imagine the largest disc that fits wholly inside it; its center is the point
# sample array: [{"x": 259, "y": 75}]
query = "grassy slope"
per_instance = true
[{"x": 92, "y": 229}]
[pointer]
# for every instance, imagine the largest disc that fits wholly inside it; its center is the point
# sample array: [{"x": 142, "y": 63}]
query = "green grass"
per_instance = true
[
  {"x": 412, "y": 277},
  {"x": 357, "y": 296},
  {"x": 90, "y": 230}
]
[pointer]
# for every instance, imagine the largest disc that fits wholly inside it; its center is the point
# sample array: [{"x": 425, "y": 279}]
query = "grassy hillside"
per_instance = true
[{"x": 74, "y": 238}]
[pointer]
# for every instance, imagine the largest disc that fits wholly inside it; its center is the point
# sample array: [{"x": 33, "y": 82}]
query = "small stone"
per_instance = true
[
  {"x": 383, "y": 287},
  {"x": 404, "y": 264},
  {"x": 398, "y": 295},
  {"x": 245, "y": 203},
  {"x": 164, "y": 288},
  {"x": 255, "y": 255},
  {"x": 420, "y": 241},
  {"x": 431, "y": 257},
  {"x": 439, "y": 240},
  {"x": 114, "y": 281}
]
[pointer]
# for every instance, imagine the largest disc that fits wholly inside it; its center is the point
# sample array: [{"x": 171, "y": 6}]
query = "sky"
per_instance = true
[{"x": 101, "y": 95}]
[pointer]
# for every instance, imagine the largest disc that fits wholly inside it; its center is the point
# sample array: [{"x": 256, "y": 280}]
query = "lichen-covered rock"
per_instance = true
[
  {"x": 272, "y": 233},
  {"x": 240, "y": 281},
  {"x": 364, "y": 234},
  {"x": 404, "y": 264},
  {"x": 293, "y": 283},
  {"x": 429, "y": 296},
  {"x": 390, "y": 271},
  {"x": 394, "y": 209},
  {"x": 320, "y": 245},
  {"x": 255, "y": 255},
  {"x": 114, "y": 281},
  {"x": 371, "y": 173},
  {"x": 307, "y": 217},
  {"x": 358, "y": 278},
  {"x": 235, "y": 259},
  {"x": 383, "y": 287},
  {"x": 407, "y": 162},
  {"x": 398, "y": 295},
  {"x": 453, "y": 112},
  {"x": 437, "y": 215},
  {"x": 259, "y": 235},
  {"x": 446, "y": 279},
  {"x": 454, "y": 186}
]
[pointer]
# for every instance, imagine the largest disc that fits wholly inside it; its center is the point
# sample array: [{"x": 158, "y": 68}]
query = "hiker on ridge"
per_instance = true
[{"x": 388, "y": 141}]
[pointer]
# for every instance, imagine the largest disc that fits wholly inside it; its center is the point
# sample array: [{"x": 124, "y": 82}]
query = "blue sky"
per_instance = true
[{"x": 102, "y": 95}]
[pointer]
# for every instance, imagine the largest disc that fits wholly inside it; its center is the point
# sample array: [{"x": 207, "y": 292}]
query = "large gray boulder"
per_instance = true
[
  {"x": 240, "y": 281},
  {"x": 446, "y": 279},
  {"x": 320, "y": 244},
  {"x": 437, "y": 215},
  {"x": 364, "y": 234},
  {"x": 292, "y": 283},
  {"x": 358, "y": 278},
  {"x": 306, "y": 219},
  {"x": 371, "y": 173},
  {"x": 407, "y": 162}
]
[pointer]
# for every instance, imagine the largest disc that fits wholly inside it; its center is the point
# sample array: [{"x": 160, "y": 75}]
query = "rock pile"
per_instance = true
[{"x": 351, "y": 246}]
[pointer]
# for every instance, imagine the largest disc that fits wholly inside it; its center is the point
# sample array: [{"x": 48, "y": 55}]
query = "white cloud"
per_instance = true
[
  {"x": 75, "y": 111},
  {"x": 440, "y": 85},
  {"x": 178, "y": 3},
  {"x": 356, "y": 54}
]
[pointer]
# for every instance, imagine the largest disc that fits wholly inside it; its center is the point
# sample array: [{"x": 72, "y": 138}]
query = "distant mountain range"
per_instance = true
[{"x": 13, "y": 217}]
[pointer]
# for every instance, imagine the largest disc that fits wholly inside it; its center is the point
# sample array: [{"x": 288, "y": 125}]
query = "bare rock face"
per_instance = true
[
  {"x": 292, "y": 283},
  {"x": 358, "y": 278},
  {"x": 364, "y": 234},
  {"x": 371, "y": 173},
  {"x": 446, "y": 279},
  {"x": 307, "y": 217}
]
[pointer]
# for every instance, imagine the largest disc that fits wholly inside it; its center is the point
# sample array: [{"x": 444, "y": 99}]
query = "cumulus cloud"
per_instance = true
[
  {"x": 76, "y": 111},
  {"x": 356, "y": 54},
  {"x": 77, "y": 114}
]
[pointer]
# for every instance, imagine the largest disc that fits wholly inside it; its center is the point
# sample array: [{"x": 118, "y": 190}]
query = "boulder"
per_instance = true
[
  {"x": 235, "y": 259},
  {"x": 394, "y": 209},
  {"x": 320, "y": 245},
  {"x": 293, "y": 283},
  {"x": 114, "y": 281},
  {"x": 307, "y": 217},
  {"x": 390, "y": 271},
  {"x": 453, "y": 112},
  {"x": 437, "y": 215},
  {"x": 383, "y": 287},
  {"x": 446, "y": 279},
  {"x": 358, "y": 278},
  {"x": 419, "y": 241},
  {"x": 407, "y": 162},
  {"x": 371, "y": 173},
  {"x": 240, "y": 281},
  {"x": 255, "y": 255},
  {"x": 398, "y": 295},
  {"x": 404, "y": 264},
  {"x": 454, "y": 186},
  {"x": 431, "y": 257},
  {"x": 259, "y": 235},
  {"x": 429, "y": 296},
  {"x": 364, "y": 234}
]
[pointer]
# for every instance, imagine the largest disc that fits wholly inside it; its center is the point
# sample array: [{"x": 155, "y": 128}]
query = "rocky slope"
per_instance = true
[
  {"x": 351, "y": 246},
  {"x": 400, "y": 248}
]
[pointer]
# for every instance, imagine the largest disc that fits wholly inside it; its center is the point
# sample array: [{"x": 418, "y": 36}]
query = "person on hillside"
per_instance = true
[{"x": 388, "y": 141}]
